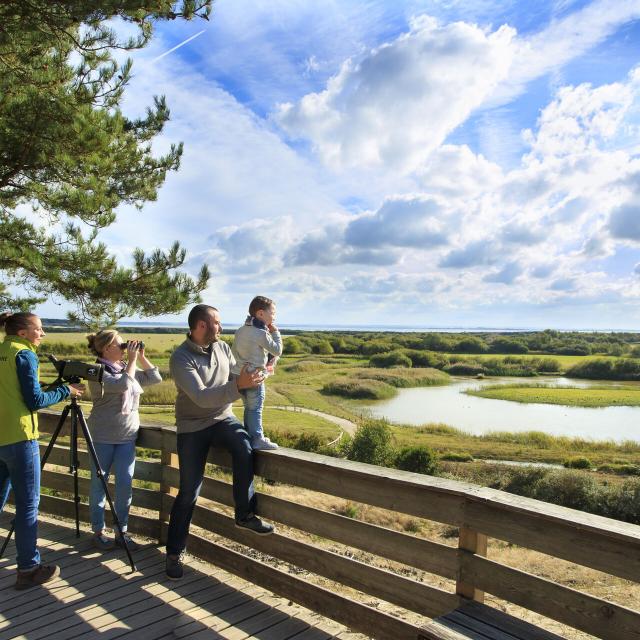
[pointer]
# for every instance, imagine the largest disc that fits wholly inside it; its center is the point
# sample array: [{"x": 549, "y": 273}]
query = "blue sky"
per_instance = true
[{"x": 385, "y": 162}]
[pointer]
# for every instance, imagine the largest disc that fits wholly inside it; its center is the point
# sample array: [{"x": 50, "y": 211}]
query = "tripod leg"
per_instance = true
[
  {"x": 45, "y": 455},
  {"x": 94, "y": 457},
  {"x": 73, "y": 466}
]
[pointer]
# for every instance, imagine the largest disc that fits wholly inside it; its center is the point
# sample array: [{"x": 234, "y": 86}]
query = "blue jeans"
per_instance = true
[
  {"x": 122, "y": 457},
  {"x": 193, "y": 449},
  {"x": 253, "y": 402},
  {"x": 20, "y": 466}
]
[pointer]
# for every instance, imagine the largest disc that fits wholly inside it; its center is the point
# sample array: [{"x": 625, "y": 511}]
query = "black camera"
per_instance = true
[
  {"x": 125, "y": 345},
  {"x": 74, "y": 370}
]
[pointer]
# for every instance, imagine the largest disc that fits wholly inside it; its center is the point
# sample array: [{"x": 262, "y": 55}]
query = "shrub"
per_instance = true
[
  {"x": 308, "y": 442},
  {"x": 371, "y": 443},
  {"x": 505, "y": 345},
  {"x": 292, "y": 346},
  {"x": 547, "y": 365},
  {"x": 370, "y": 347},
  {"x": 322, "y": 347},
  {"x": 577, "y": 462},
  {"x": 620, "y": 469},
  {"x": 427, "y": 358},
  {"x": 471, "y": 345},
  {"x": 572, "y": 489},
  {"x": 452, "y": 456},
  {"x": 417, "y": 460},
  {"x": 390, "y": 359},
  {"x": 600, "y": 369},
  {"x": 465, "y": 369},
  {"x": 359, "y": 389}
]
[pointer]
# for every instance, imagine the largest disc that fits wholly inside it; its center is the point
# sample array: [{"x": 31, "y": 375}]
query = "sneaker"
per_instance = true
[
  {"x": 175, "y": 566},
  {"x": 102, "y": 542},
  {"x": 253, "y": 523},
  {"x": 132, "y": 545},
  {"x": 41, "y": 574},
  {"x": 263, "y": 444}
]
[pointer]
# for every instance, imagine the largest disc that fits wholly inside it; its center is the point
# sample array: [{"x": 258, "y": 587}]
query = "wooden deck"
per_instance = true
[{"x": 97, "y": 595}]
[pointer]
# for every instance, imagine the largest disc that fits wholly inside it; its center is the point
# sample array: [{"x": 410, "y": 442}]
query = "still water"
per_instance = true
[{"x": 449, "y": 405}]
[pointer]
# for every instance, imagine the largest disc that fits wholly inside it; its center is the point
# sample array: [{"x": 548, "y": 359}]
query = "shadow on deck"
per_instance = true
[{"x": 98, "y": 596}]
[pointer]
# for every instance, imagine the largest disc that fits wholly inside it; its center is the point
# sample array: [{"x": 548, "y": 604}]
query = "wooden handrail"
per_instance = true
[{"x": 592, "y": 541}]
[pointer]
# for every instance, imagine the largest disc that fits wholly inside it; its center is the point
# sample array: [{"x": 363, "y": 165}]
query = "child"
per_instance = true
[{"x": 253, "y": 344}]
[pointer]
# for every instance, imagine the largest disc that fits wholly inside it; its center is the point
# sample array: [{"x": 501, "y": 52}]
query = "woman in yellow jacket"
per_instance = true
[{"x": 20, "y": 398}]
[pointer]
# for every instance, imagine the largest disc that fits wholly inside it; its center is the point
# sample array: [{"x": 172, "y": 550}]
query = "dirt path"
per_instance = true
[{"x": 343, "y": 423}]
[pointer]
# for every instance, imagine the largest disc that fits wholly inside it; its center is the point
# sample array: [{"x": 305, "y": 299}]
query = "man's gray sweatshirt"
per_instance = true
[{"x": 205, "y": 385}]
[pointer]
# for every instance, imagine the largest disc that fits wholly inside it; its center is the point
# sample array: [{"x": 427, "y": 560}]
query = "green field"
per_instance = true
[
  {"x": 569, "y": 396},
  {"x": 564, "y": 361}
]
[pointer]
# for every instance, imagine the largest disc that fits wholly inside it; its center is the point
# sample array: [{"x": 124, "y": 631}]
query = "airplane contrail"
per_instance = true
[{"x": 166, "y": 53}]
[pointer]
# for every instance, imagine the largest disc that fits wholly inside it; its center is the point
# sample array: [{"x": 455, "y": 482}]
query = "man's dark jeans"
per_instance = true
[{"x": 193, "y": 449}]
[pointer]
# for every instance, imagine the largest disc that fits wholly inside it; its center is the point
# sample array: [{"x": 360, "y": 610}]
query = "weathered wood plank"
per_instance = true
[
  {"x": 355, "y": 615},
  {"x": 142, "y": 525},
  {"x": 562, "y": 539},
  {"x": 435, "y": 631},
  {"x": 470, "y": 541},
  {"x": 579, "y": 610},
  {"x": 417, "y": 552},
  {"x": 415, "y": 596},
  {"x": 144, "y": 498}
]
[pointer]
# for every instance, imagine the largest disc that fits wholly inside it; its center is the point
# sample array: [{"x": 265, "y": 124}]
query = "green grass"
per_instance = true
[
  {"x": 569, "y": 396},
  {"x": 565, "y": 361}
]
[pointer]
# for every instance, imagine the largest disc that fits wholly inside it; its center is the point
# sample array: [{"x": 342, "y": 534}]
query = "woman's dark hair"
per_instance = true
[{"x": 14, "y": 322}]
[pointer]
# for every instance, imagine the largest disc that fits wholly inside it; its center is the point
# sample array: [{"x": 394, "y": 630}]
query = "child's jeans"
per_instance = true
[{"x": 253, "y": 402}]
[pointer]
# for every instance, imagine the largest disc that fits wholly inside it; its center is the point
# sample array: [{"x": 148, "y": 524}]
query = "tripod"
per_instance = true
[{"x": 77, "y": 418}]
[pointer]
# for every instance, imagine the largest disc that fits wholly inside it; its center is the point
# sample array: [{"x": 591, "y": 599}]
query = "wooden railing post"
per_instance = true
[
  {"x": 167, "y": 459},
  {"x": 469, "y": 541}
]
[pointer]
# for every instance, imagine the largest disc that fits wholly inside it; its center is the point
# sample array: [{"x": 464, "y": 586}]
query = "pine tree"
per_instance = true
[{"x": 69, "y": 157}]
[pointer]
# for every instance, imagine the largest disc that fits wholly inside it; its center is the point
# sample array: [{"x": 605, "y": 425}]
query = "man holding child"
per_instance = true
[{"x": 201, "y": 369}]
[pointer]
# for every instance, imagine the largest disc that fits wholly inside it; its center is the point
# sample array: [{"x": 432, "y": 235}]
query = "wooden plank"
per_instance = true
[
  {"x": 355, "y": 615},
  {"x": 422, "y": 496},
  {"x": 435, "y": 631},
  {"x": 415, "y": 596},
  {"x": 416, "y": 552},
  {"x": 142, "y": 525},
  {"x": 571, "y": 607},
  {"x": 152, "y": 436},
  {"x": 144, "y": 498},
  {"x": 562, "y": 539},
  {"x": 498, "y": 619},
  {"x": 470, "y": 541}
]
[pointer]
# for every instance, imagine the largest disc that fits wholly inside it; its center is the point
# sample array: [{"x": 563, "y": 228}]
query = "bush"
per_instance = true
[
  {"x": 370, "y": 347},
  {"x": 577, "y": 462},
  {"x": 371, "y": 443},
  {"x": 600, "y": 369},
  {"x": 620, "y": 469},
  {"x": 505, "y": 345},
  {"x": 465, "y": 369},
  {"x": 572, "y": 489},
  {"x": 427, "y": 358},
  {"x": 471, "y": 345},
  {"x": 390, "y": 359},
  {"x": 452, "y": 456},
  {"x": 417, "y": 460},
  {"x": 304, "y": 366},
  {"x": 322, "y": 347},
  {"x": 292, "y": 346},
  {"x": 359, "y": 389}
]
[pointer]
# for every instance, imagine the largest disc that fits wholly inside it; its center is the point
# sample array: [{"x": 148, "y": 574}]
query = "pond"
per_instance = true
[{"x": 449, "y": 405}]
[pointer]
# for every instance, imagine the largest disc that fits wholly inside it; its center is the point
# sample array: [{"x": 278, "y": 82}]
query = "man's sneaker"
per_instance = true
[
  {"x": 253, "y": 523},
  {"x": 175, "y": 566},
  {"x": 101, "y": 541},
  {"x": 263, "y": 444},
  {"x": 41, "y": 574},
  {"x": 132, "y": 545}
]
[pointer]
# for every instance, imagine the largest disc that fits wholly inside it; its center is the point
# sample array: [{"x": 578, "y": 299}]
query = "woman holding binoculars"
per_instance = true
[{"x": 114, "y": 423}]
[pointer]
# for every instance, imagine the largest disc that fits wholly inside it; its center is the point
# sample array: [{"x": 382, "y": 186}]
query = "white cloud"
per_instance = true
[{"x": 398, "y": 103}]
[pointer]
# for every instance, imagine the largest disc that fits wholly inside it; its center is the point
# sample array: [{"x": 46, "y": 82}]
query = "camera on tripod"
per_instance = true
[{"x": 74, "y": 370}]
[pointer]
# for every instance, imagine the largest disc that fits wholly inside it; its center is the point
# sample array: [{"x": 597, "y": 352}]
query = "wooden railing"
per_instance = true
[{"x": 607, "y": 545}]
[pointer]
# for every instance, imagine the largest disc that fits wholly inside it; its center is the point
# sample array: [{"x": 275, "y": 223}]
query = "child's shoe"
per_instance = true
[
  {"x": 263, "y": 444},
  {"x": 102, "y": 542}
]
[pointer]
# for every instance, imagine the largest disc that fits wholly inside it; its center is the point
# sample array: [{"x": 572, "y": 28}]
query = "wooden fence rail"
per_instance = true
[{"x": 591, "y": 541}]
